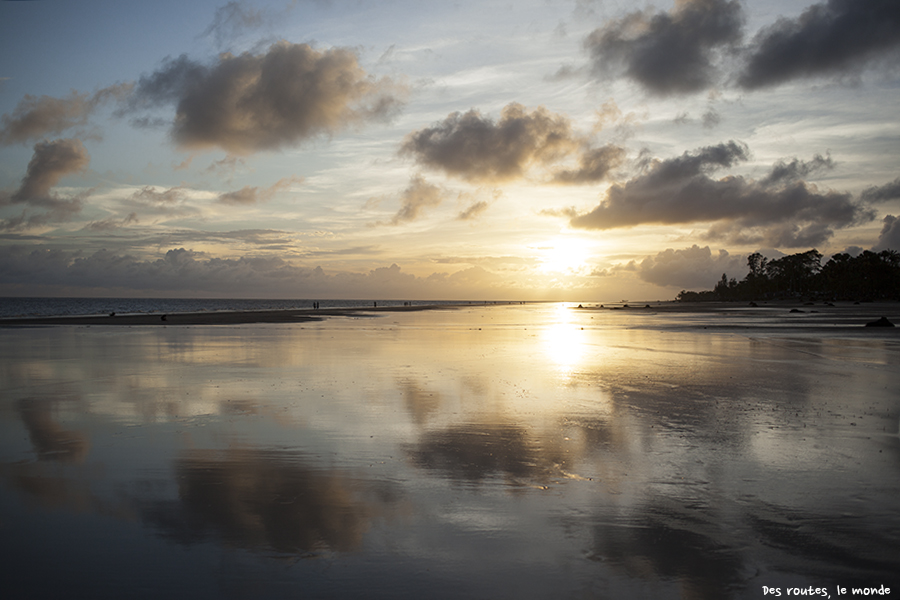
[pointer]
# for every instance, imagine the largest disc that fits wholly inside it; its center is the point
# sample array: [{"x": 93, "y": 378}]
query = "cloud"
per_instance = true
[
  {"x": 889, "y": 238},
  {"x": 778, "y": 209},
  {"x": 50, "y": 162},
  {"x": 252, "y": 102},
  {"x": 35, "y": 117},
  {"x": 882, "y": 193},
  {"x": 473, "y": 210},
  {"x": 829, "y": 38},
  {"x": 795, "y": 170},
  {"x": 668, "y": 52},
  {"x": 149, "y": 195},
  {"x": 231, "y": 20},
  {"x": 418, "y": 196},
  {"x": 112, "y": 223},
  {"x": 228, "y": 166},
  {"x": 594, "y": 165},
  {"x": 476, "y": 203},
  {"x": 251, "y": 195},
  {"x": 690, "y": 268},
  {"x": 39, "y": 270},
  {"x": 710, "y": 118},
  {"x": 475, "y": 148}
]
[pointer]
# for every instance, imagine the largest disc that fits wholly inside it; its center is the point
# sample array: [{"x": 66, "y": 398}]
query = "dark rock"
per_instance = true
[{"x": 882, "y": 322}]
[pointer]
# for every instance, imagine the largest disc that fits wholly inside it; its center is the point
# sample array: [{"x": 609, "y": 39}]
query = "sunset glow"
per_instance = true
[{"x": 543, "y": 150}]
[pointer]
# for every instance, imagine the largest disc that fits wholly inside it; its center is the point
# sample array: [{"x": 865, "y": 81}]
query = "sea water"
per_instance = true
[{"x": 535, "y": 451}]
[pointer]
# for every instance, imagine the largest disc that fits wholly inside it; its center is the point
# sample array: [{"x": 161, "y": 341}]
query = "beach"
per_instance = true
[{"x": 502, "y": 451}]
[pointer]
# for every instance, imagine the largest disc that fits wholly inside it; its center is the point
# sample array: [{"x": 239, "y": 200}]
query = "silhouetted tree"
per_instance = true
[{"x": 870, "y": 275}]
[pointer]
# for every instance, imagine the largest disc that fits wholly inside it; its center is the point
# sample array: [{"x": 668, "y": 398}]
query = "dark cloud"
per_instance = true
[
  {"x": 191, "y": 273},
  {"x": 889, "y": 238},
  {"x": 668, "y": 52},
  {"x": 690, "y": 268},
  {"x": 166, "y": 85},
  {"x": 778, "y": 210},
  {"x": 251, "y": 195},
  {"x": 253, "y": 102},
  {"x": 795, "y": 170},
  {"x": 35, "y": 117},
  {"x": 882, "y": 193},
  {"x": 594, "y": 165},
  {"x": 475, "y": 148},
  {"x": 50, "y": 162},
  {"x": 828, "y": 38}
]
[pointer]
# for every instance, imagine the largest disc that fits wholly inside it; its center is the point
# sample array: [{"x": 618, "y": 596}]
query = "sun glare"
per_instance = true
[
  {"x": 563, "y": 255},
  {"x": 564, "y": 341}
]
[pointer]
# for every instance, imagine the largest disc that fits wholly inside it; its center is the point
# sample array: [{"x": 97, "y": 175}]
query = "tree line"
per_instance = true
[{"x": 868, "y": 276}]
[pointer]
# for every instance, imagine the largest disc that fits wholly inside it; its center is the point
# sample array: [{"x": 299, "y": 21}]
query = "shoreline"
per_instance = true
[
  {"x": 794, "y": 313},
  {"x": 300, "y": 315}
]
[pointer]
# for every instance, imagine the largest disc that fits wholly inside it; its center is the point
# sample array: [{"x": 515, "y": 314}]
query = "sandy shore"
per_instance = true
[{"x": 216, "y": 318}]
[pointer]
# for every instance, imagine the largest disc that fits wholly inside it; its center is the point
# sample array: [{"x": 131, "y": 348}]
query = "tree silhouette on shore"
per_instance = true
[{"x": 868, "y": 276}]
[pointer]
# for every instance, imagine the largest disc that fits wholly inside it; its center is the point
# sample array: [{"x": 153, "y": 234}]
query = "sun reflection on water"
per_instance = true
[{"x": 565, "y": 342}]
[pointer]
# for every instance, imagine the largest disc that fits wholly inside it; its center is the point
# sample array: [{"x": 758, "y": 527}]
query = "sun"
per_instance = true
[{"x": 563, "y": 255}]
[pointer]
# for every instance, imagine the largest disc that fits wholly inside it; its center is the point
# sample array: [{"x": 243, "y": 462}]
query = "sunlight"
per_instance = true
[
  {"x": 563, "y": 255},
  {"x": 564, "y": 341}
]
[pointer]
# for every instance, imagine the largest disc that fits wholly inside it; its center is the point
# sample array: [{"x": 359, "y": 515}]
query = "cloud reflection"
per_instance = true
[
  {"x": 475, "y": 452},
  {"x": 51, "y": 441},
  {"x": 665, "y": 545},
  {"x": 267, "y": 500}
]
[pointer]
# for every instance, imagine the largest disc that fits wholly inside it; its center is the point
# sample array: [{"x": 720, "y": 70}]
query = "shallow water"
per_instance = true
[{"x": 495, "y": 452}]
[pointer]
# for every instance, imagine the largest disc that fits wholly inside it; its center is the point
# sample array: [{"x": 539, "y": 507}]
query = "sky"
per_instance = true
[{"x": 533, "y": 150}]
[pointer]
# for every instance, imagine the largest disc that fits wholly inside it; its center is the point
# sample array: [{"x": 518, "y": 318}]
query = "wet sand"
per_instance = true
[
  {"x": 530, "y": 451},
  {"x": 213, "y": 318}
]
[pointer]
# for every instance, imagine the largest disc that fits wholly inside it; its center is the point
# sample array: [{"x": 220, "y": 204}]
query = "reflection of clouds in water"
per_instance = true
[
  {"x": 671, "y": 546},
  {"x": 51, "y": 441},
  {"x": 420, "y": 402},
  {"x": 711, "y": 553},
  {"x": 260, "y": 499},
  {"x": 51, "y": 488},
  {"x": 475, "y": 452}
]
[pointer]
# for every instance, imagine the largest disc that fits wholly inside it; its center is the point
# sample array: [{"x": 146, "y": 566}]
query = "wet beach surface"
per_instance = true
[{"x": 489, "y": 452}]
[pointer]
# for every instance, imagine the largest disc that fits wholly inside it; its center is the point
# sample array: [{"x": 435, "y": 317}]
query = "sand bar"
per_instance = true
[{"x": 215, "y": 318}]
